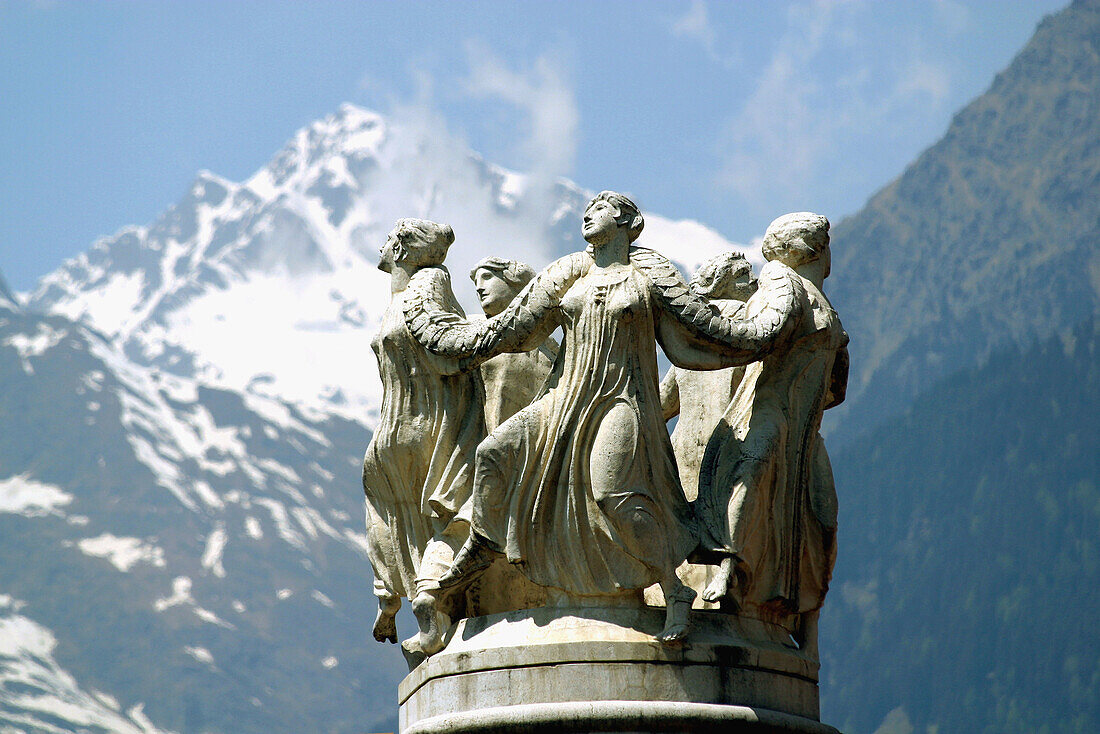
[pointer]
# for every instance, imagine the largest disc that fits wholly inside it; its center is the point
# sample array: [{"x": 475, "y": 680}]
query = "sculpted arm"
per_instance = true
[
  {"x": 694, "y": 333},
  {"x": 838, "y": 380},
  {"x": 524, "y": 325},
  {"x": 670, "y": 394},
  {"x": 430, "y": 299}
]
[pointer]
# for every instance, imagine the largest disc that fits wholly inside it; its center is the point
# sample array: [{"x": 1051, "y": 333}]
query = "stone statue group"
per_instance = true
[{"x": 510, "y": 472}]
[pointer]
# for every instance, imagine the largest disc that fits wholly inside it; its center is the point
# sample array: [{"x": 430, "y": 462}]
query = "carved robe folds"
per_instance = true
[
  {"x": 766, "y": 493},
  {"x": 418, "y": 468}
]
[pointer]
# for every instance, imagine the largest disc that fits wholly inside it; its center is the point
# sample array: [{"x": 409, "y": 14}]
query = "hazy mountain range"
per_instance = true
[{"x": 186, "y": 406}]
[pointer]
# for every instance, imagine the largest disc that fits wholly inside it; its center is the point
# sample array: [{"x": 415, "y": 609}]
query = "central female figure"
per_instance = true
[{"x": 580, "y": 488}]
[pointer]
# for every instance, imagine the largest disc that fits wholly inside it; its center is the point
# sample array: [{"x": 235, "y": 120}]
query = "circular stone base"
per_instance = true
[{"x": 600, "y": 670}]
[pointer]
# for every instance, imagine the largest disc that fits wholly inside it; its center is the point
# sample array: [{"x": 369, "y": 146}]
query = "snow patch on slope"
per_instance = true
[
  {"x": 123, "y": 553},
  {"x": 39, "y": 695},
  {"x": 24, "y": 496},
  {"x": 212, "y": 556},
  {"x": 33, "y": 345}
]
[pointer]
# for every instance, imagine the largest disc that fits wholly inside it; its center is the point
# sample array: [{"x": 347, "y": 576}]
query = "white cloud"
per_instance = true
[
  {"x": 954, "y": 16},
  {"x": 805, "y": 121},
  {"x": 430, "y": 170},
  {"x": 697, "y": 25},
  {"x": 923, "y": 77},
  {"x": 543, "y": 94}
]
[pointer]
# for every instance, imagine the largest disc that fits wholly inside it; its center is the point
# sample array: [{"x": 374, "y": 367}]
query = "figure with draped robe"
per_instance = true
[
  {"x": 767, "y": 503},
  {"x": 580, "y": 488},
  {"x": 699, "y": 397},
  {"x": 418, "y": 468}
]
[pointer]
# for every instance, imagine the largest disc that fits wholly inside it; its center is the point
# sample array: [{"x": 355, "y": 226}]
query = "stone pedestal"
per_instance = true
[{"x": 578, "y": 669}]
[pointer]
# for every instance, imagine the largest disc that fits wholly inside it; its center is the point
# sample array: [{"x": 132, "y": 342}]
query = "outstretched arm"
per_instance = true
[
  {"x": 429, "y": 297},
  {"x": 695, "y": 334},
  {"x": 526, "y": 323},
  {"x": 670, "y": 394}
]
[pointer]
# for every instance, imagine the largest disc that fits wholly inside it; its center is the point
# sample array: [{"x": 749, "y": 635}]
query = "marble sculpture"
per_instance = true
[{"x": 500, "y": 452}]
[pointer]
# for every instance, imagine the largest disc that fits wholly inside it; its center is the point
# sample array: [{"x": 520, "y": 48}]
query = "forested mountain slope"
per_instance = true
[{"x": 969, "y": 573}]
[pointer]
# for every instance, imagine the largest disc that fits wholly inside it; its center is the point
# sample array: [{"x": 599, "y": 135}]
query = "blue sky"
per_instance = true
[{"x": 730, "y": 113}]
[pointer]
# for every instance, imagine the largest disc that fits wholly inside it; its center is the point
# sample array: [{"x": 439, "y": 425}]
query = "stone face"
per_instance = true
[
  {"x": 513, "y": 380},
  {"x": 528, "y": 497}
]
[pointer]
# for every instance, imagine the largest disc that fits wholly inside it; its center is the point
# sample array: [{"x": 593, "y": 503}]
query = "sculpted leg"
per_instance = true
[
  {"x": 490, "y": 461},
  {"x": 750, "y": 478},
  {"x": 433, "y": 622},
  {"x": 385, "y": 623},
  {"x": 634, "y": 514},
  {"x": 435, "y": 607},
  {"x": 444, "y": 575},
  {"x": 387, "y": 575}
]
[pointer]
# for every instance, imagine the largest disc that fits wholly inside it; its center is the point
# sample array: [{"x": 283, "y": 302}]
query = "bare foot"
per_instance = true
[
  {"x": 719, "y": 586},
  {"x": 673, "y": 634},
  {"x": 385, "y": 624},
  {"x": 434, "y": 624},
  {"x": 414, "y": 656}
]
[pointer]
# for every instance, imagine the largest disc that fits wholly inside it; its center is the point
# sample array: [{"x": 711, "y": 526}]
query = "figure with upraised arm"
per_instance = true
[{"x": 580, "y": 488}]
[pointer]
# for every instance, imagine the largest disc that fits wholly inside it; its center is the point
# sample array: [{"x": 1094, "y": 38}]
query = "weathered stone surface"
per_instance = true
[
  {"x": 571, "y": 505},
  {"x": 651, "y": 717},
  {"x": 556, "y": 655}
]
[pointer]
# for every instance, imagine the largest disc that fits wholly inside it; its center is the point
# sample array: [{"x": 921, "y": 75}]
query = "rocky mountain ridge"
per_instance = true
[
  {"x": 270, "y": 286},
  {"x": 988, "y": 239},
  {"x": 190, "y": 558}
]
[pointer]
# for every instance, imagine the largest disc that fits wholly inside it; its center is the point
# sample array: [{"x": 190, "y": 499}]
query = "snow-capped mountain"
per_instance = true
[
  {"x": 177, "y": 556},
  {"x": 191, "y": 401},
  {"x": 270, "y": 287}
]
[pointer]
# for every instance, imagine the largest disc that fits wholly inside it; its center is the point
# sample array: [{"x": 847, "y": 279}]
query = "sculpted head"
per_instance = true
[
  {"x": 417, "y": 243},
  {"x": 798, "y": 238},
  {"x": 726, "y": 276},
  {"x": 498, "y": 280},
  {"x": 607, "y": 213}
]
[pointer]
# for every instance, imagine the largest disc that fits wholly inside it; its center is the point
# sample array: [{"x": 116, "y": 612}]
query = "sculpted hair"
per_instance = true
[
  {"x": 426, "y": 241},
  {"x": 513, "y": 272},
  {"x": 629, "y": 215},
  {"x": 804, "y": 235},
  {"x": 714, "y": 277}
]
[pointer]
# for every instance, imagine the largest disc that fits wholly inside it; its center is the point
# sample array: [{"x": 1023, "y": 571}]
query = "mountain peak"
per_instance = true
[
  {"x": 990, "y": 233},
  {"x": 270, "y": 286}
]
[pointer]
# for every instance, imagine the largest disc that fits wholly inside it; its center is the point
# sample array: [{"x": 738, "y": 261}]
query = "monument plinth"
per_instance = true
[
  {"x": 527, "y": 498},
  {"x": 588, "y": 669}
]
